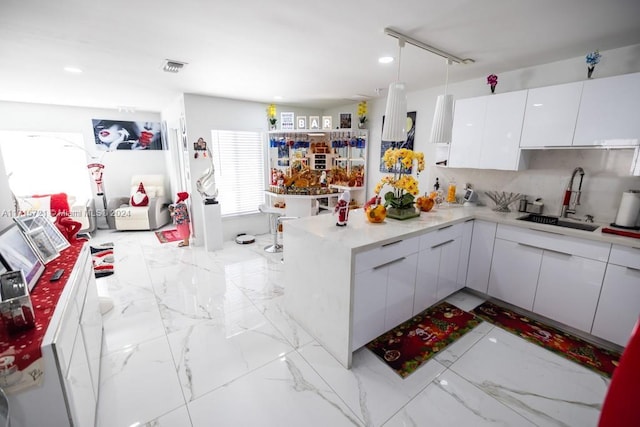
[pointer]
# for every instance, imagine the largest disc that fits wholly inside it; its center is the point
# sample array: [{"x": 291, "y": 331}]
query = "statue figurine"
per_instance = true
[
  {"x": 207, "y": 182},
  {"x": 342, "y": 209}
]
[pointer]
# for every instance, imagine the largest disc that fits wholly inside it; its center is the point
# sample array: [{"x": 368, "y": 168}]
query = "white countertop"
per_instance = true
[{"x": 360, "y": 235}]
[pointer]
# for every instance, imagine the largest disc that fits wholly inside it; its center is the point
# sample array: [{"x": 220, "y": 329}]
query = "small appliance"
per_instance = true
[
  {"x": 629, "y": 210},
  {"x": 470, "y": 197}
]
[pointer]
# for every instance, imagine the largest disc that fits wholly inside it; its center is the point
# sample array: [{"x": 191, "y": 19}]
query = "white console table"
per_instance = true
[{"x": 71, "y": 349}]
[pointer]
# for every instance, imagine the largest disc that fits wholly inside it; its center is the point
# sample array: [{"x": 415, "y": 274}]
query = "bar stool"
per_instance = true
[{"x": 274, "y": 214}]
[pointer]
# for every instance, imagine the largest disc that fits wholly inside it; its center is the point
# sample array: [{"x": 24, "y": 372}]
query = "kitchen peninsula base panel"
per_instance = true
[{"x": 318, "y": 289}]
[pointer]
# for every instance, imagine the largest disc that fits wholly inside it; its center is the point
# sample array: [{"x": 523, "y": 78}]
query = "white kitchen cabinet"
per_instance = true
[
  {"x": 514, "y": 272},
  {"x": 480, "y": 255},
  {"x": 550, "y": 115},
  {"x": 609, "y": 112},
  {"x": 502, "y": 131},
  {"x": 468, "y": 127},
  {"x": 383, "y": 289},
  {"x": 486, "y": 132},
  {"x": 568, "y": 289},
  {"x": 619, "y": 304},
  {"x": 438, "y": 266},
  {"x": 78, "y": 383}
]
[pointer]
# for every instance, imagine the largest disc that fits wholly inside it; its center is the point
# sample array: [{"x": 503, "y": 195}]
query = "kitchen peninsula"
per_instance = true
[{"x": 361, "y": 280}]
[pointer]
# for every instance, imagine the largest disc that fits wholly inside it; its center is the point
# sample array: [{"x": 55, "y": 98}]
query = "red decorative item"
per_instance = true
[{"x": 140, "y": 198}]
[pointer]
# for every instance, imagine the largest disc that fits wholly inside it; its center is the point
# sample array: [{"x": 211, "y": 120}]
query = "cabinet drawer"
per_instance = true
[
  {"x": 555, "y": 242},
  {"x": 386, "y": 253},
  {"x": 440, "y": 236},
  {"x": 625, "y": 256}
]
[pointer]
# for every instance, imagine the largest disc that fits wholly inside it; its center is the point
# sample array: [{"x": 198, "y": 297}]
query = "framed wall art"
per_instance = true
[
  {"x": 345, "y": 120},
  {"x": 42, "y": 244},
  {"x": 111, "y": 135},
  {"x": 16, "y": 253}
]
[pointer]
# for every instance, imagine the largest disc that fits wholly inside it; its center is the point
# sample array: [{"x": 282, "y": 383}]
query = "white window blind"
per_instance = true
[{"x": 239, "y": 161}]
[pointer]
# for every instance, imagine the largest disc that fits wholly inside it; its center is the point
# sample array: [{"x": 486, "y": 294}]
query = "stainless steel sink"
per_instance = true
[{"x": 554, "y": 220}]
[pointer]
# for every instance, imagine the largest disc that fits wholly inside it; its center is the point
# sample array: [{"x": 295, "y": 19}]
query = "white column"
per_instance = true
[{"x": 212, "y": 221}]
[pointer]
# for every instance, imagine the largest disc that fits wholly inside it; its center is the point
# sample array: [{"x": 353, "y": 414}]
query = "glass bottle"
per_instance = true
[{"x": 451, "y": 193}]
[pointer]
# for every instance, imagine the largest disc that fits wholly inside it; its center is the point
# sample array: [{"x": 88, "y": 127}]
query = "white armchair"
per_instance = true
[{"x": 123, "y": 216}]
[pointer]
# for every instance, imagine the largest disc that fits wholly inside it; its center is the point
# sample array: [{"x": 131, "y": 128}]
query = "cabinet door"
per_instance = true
[
  {"x": 619, "y": 304},
  {"x": 78, "y": 386},
  {"x": 426, "y": 279},
  {"x": 466, "y": 137},
  {"x": 568, "y": 289},
  {"x": 480, "y": 255},
  {"x": 448, "y": 270},
  {"x": 550, "y": 116},
  {"x": 465, "y": 248},
  {"x": 609, "y": 111},
  {"x": 91, "y": 327},
  {"x": 514, "y": 273},
  {"x": 502, "y": 131},
  {"x": 369, "y": 305},
  {"x": 401, "y": 282}
]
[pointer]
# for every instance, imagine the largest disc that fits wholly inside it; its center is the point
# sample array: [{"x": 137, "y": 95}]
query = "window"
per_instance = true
[
  {"x": 238, "y": 158},
  {"x": 44, "y": 163}
]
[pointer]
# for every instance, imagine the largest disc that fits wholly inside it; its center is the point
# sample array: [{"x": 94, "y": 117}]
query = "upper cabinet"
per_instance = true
[
  {"x": 609, "y": 111},
  {"x": 486, "y": 132},
  {"x": 550, "y": 116}
]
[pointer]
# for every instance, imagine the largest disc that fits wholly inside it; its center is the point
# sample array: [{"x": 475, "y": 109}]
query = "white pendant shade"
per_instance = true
[
  {"x": 442, "y": 120},
  {"x": 395, "y": 114}
]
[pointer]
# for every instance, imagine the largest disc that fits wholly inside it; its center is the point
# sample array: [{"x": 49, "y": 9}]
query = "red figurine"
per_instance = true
[{"x": 342, "y": 209}]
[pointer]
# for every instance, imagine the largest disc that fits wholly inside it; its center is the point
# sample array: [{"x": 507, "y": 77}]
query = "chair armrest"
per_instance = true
[
  {"x": 113, "y": 204},
  {"x": 158, "y": 212}
]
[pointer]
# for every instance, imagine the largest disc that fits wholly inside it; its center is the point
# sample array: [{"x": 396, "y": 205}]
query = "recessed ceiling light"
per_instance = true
[
  {"x": 75, "y": 70},
  {"x": 385, "y": 59},
  {"x": 277, "y": 97}
]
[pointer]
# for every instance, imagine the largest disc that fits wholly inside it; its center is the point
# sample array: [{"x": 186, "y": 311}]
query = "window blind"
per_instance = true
[{"x": 238, "y": 158}]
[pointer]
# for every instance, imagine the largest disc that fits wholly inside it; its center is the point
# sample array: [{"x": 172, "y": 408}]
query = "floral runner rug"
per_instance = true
[
  {"x": 407, "y": 346},
  {"x": 167, "y": 236},
  {"x": 567, "y": 345}
]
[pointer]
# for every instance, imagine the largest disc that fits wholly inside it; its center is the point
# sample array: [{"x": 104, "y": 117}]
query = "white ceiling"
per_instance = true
[{"x": 315, "y": 54}]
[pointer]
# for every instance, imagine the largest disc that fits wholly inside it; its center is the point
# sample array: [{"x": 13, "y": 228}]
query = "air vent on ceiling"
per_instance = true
[{"x": 171, "y": 66}]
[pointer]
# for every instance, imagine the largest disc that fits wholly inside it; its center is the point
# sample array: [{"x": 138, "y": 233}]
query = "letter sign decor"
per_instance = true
[
  {"x": 302, "y": 122},
  {"x": 314, "y": 122},
  {"x": 327, "y": 122}
]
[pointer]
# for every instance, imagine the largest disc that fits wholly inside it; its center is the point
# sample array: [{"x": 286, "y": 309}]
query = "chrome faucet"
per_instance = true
[{"x": 569, "y": 202}]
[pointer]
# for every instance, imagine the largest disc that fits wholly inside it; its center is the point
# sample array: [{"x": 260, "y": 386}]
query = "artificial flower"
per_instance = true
[
  {"x": 362, "y": 111},
  {"x": 492, "y": 79},
  {"x": 405, "y": 186},
  {"x": 593, "y": 58},
  {"x": 271, "y": 114}
]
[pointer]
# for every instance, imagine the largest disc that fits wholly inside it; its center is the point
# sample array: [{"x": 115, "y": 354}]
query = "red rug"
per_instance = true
[
  {"x": 167, "y": 236},
  {"x": 409, "y": 345},
  {"x": 567, "y": 345}
]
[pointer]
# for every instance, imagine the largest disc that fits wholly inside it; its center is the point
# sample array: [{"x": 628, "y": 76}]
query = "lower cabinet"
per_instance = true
[
  {"x": 480, "y": 255},
  {"x": 514, "y": 273},
  {"x": 568, "y": 289},
  {"x": 619, "y": 305},
  {"x": 439, "y": 265}
]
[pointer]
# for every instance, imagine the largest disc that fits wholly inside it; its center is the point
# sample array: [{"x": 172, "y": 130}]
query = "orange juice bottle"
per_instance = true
[{"x": 451, "y": 193}]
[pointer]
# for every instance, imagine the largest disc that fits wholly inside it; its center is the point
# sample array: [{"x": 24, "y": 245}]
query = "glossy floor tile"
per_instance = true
[{"x": 199, "y": 338}]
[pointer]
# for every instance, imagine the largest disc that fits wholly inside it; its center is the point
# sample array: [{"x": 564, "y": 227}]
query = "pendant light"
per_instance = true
[
  {"x": 442, "y": 125},
  {"x": 395, "y": 121}
]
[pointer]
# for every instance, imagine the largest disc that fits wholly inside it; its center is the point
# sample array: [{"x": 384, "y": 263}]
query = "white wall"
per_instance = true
[
  {"x": 119, "y": 165},
  {"x": 607, "y": 172}
]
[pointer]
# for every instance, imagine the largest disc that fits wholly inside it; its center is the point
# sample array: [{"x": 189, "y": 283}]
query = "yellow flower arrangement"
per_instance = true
[
  {"x": 271, "y": 114},
  {"x": 405, "y": 186},
  {"x": 362, "y": 111}
]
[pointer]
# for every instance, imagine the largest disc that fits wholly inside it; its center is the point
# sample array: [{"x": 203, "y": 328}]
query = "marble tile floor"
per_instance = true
[{"x": 201, "y": 339}]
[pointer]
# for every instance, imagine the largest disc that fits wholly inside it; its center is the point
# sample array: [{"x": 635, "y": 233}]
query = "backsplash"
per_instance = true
[{"x": 606, "y": 177}]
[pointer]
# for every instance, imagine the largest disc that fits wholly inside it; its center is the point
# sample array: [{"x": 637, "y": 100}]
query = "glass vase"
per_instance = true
[{"x": 402, "y": 214}]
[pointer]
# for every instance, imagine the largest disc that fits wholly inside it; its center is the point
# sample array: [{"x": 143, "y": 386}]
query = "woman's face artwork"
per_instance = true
[{"x": 112, "y": 134}]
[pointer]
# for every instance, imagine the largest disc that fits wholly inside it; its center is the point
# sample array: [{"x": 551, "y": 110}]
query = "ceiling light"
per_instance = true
[
  {"x": 442, "y": 125},
  {"x": 171, "y": 66},
  {"x": 385, "y": 59},
  {"x": 74, "y": 70},
  {"x": 395, "y": 113},
  {"x": 277, "y": 97},
  {"x": 421, "y": 45}
]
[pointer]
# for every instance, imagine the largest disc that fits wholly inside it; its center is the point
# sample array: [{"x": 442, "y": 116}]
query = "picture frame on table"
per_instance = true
[
  {"x": 42, "y": 244},
  {"x": 30, "y": 222},
  {"x": 17, "y": 254}
]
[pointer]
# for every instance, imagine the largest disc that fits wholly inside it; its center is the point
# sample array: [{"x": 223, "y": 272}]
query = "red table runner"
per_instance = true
[{"x": 21, "y": 353}]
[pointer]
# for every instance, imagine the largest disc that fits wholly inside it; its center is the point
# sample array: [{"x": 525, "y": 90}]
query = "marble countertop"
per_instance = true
[{"x": 360, "y": 235}]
